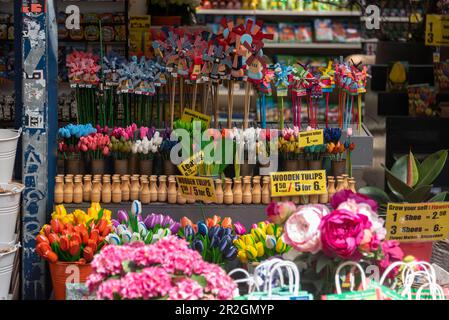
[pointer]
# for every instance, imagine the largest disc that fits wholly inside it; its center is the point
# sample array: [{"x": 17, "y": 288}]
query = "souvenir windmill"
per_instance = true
[
  {"x": 265, "y": 89},
  {"x": 219, "y": 59},
  {"x": 360, "y": 77},
  {"x": 196, "y": 58},
  {"x": 303, "y": 84},
  {"x": 282, "y": 74},
  {"x": 327, "y": 84}
]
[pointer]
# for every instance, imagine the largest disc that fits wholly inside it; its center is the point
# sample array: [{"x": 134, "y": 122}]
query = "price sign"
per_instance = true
[
  {"x": 437, "y": 30},
  {"x": 417, "y": 222},
  {"x": 189, "y": 115},
  {"x": 296, "y": 183},
  {"x": 189, "y": 167},
  {"x": 311, "y": 138},
  {"x": 198, "y": 188}
]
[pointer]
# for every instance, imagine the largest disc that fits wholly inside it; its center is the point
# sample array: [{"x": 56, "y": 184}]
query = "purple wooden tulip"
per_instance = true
[
  {"x": 158, "y": 219},
  {"x": 139, "y": 217},
  {"x": 150, "y": 221},
  {"x": 174, "y": 227},
  {"x": 122, "y": 216},
  {"x": 166, "y": 221},
  {"x": 115, "y": 223}
]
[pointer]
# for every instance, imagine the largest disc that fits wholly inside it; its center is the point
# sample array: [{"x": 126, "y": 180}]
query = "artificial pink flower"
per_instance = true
[
  {"x": 278, "y": 212},
  {"x": 345, "y": 195},
  {"x": 301, "y": 230},
  {"x": 342, "y": 232},
  {"x": 392, "y": 253}
]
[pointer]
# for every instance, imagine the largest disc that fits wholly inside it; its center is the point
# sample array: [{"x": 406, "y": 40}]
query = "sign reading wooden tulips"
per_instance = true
[
  {"x": 417, "y": 222},
  {"x": 297, "y": 183},
  {"x": 198, "y": 188}
]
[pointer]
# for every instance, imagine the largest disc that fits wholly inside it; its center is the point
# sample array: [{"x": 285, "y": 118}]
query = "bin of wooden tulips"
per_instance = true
[{"x": 70, "y": 242}]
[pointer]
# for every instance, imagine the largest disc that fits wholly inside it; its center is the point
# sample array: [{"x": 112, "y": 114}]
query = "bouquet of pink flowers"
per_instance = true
[
  {"x": 322, "y": 239},
  {"x": 167, "y": 269}
]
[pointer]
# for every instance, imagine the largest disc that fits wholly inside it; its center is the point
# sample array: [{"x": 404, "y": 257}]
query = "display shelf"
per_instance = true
[
  {"x": 390, "y": 19},
  {"x": 279, "y": 13},
  {"x": 313, "y": 45},
  {"x": 246, "y": 214}
]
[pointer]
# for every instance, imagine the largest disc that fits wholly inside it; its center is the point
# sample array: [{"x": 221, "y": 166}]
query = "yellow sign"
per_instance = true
[
  {"x": 189, "y": 167},
  {"x": 296, "y": 183},
  {"x": 437, "y": 30},
  {"x": 140, "y": 23},
  {"x": 417, "y": 222},
  {"x": 189, "y": 115},
  {"x": 311, "y": 138},
  {"x": 198, "y": 188}
]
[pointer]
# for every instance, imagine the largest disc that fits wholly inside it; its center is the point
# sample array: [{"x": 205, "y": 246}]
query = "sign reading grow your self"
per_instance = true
[
  {"x": 297, "y": 183},
  {"x": 417, "y": 222},
  {"x": 198, "y": 188},
  {"x": 311, "y": 138}
]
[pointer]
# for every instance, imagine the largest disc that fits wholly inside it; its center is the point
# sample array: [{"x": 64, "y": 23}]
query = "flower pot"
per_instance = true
[
  {"x": 8, "y": 148},
  {"x": 9, "y": 210},
  {"x": 7, "y": 258},
  {"x": 146, "y": 167},
  {"x": 315, "y": 165},
  {"x": 246, "y": 169},
  {"x": 67, "y": 272},
  {"x": 169, "y": 168},
  {"x": 302, "y": 164},
  {"x": 338, "y": 167},
  {"x": 73, "y": 166},
  {"x": 133, "y": 164},
  {"x": 121, "y": 166},
  {"x": 98, "y": 166},
  {"x": 263, "y": 166},
  {"x": 60, "y": 166},
  {"x": 291, "y": 165}
]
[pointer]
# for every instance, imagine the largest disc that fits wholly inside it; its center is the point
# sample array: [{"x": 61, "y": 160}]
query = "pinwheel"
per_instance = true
[
  {"x": 327, "y": 84},
  {"x": 265, "y": 89},
  {"x": 282, "y": 74}
]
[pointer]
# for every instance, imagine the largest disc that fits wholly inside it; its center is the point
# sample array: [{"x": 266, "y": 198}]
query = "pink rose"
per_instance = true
[
  {"x": 278, "y": 212},
  {"x": 342, "y": 232},
  {"x": 301, "y": 230}
]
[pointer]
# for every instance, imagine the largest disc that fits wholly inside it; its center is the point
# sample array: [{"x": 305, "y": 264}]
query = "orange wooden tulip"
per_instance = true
[
  {"x": 211, "y": 222},
  {"x": 52, "y": 237},
  {"x": 46, "y": 230},
  {"x": 40, "y": 238},
  {"x": 94, "y": 234},
  {"x": 76, "y": 237},
  {"x": 226, "y": 223},
  {"x": 43, "y": 249},
  {"x": 64, "y": 240},
  {"x": 74, "y": 248},
  {"x": 56, "y": 225},
  {"x": 186, "y": 222},
  {"x": 88, "y": 254},
  {"x": 91, "y": 243},
  {"x": 106, "y": 231},
  {"x": 101, "y": 225}
]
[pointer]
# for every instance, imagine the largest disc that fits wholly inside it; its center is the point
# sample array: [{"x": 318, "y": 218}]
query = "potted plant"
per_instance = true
[
  {"x": 289, "y": 148},
  {"x": 145, "y": 148},
  {"x": 121, "y": 147},
  {"x": 336, "y": 150},
  {"x": 69, "y": 137},
  {"x": 70, "y": 242},
  {"x": 314, "y": 155},
  {"x": 165, "y": 149},
  {"x": 96, "y": 148}
]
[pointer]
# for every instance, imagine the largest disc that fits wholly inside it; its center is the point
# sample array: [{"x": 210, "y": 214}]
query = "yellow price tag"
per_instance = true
[
  {"x": 189, "y": 167},
  {"x": 296, "y": 183},
  {"x": 417, "y": 222},
  {"x": 198, "y": 188},
  {"x": 140, "y": 23},
  {"x": 189, "y": 115},
  {"x": 311, "y": 138},
  {"x": 437, "y": 30}
]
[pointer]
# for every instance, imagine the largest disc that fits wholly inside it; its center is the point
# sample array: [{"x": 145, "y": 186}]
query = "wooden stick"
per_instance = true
[
  {"x": 208, "y": 86},
  {"x": 230, "y": 102},
  {"x": 172, "y": 103},
  {"x": 216, "y": 105},
  {"x": 181, "y": 94},
  {"x": 195, "y": 90},
  {"x": 246, "y": 105}
]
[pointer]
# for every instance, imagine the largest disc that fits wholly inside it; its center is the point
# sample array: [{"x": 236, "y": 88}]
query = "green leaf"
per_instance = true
[
  {"x": 399, "y": 188},
  {"x": 431, "y": 167},
  {"x": 420, "y": 194},
  {"x": 200, "y": 279},
  {"x": 375, "y": 193},
  {"x": 100, "y": 214},
  {"x": 400, "y": 169},
  {"x": 322, "y": 262},
  {"x": 439, "y": 197}
]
